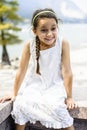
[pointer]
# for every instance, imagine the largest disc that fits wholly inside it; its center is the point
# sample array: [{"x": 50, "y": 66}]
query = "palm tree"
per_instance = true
[{"x": 9, "y": 20}]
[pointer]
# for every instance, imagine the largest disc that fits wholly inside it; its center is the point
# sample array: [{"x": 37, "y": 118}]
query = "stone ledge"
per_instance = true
[
  {"x": 79, "y": 113},
  {"x": 5, "y": 110},
  {"x": 7, "y": 123}
]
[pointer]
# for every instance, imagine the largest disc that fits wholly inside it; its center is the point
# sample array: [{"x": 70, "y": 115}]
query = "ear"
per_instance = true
[{"x": 34, "y": 31}]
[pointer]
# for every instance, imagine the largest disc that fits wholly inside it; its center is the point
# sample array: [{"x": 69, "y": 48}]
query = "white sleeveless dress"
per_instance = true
[{"x": 41, "y": 97}]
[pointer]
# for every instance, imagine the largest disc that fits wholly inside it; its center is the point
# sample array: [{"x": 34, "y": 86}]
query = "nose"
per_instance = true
[{"x": 49, "y": 33}]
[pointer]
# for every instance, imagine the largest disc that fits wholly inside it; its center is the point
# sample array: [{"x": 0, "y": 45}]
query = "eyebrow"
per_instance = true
[{"x": 43, "y": 26}]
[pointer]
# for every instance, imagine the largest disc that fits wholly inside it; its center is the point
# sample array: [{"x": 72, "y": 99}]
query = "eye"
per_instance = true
[
  {"x": 53, "y": 29},
  {"x": 43, "y": 30}
]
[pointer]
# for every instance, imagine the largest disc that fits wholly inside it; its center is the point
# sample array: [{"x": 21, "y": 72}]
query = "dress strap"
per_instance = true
[
  {"x": 32, "y": 45},
  {"x": 60, "y": 39}
]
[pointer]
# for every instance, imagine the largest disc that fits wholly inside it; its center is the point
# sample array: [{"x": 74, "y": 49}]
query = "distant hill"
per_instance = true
[{"x": 66, "y": 10}]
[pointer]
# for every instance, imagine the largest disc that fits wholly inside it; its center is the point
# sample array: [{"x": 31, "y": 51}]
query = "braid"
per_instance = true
[{"x": 37, "y": 54}]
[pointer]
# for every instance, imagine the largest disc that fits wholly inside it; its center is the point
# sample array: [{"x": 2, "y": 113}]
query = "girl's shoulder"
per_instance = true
[
  {"x": 62, "y": 40},
  {"x": 30, "y": 44},
  {"x": 65, "y": 47},
  {"x": 63, "y": 43}
]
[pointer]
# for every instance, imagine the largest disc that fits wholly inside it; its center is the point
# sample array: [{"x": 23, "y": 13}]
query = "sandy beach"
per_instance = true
[
  {"x": 79, "y": 69},
  {"x": 7, "y": 76}
]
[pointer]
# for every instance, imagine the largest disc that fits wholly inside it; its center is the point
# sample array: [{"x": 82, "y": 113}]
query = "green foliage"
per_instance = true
[{"x": 9, "y": 19}]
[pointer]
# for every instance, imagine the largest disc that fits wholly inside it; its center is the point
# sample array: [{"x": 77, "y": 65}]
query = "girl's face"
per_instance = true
[{"x": 47, "y": 31}]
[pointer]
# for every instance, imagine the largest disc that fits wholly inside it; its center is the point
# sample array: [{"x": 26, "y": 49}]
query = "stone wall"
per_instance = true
[{"x": 7, "y": 123}]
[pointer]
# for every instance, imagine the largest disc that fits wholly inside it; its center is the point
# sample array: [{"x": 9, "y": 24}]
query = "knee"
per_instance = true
[{"x": 69, "y": 128}]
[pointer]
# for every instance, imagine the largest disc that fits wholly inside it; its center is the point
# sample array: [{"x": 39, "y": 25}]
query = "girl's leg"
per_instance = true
[
  {"x": 20, "y": 127},
  {"x": 69, "y": 128}
]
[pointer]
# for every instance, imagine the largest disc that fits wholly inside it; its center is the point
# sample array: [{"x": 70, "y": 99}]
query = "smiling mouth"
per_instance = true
[{"x": 48, "y": 39}]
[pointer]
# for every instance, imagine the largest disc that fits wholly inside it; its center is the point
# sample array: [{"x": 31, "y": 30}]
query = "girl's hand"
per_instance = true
[
  {"x": 71, "y": 104},
  {"x": 7, "y": 98}
]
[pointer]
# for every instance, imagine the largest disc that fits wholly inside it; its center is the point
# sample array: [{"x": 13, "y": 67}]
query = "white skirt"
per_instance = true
[{"x": 44, "y": 105}]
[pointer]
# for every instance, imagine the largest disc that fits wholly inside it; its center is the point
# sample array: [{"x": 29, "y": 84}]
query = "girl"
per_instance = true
[{"x": 46, "y": 91}]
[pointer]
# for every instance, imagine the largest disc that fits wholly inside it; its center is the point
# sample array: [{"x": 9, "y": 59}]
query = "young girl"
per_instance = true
[{"x": 46, "y": 91}]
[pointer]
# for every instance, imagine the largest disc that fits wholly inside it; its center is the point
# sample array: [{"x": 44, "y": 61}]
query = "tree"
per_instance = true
[{"x": 9, "y": 20}]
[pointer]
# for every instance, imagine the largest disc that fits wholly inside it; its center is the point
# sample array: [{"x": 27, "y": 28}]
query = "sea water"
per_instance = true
[{"x": 76, "y": 34}]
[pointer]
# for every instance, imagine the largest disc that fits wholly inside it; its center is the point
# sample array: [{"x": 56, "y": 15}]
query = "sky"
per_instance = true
[
  {"x": 82, "y": 4},
  {"x": 35, "y": 4}
]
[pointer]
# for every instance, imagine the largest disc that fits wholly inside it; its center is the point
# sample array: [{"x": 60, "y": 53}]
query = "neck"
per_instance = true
[{"x": 45, "y": 46}]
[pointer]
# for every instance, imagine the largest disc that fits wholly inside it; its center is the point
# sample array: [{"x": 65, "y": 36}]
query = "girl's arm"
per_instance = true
[
  {"x": 20, "y": 73},
  {"x": 22, "y": 68},
  {"x": 67, "y": 74}
]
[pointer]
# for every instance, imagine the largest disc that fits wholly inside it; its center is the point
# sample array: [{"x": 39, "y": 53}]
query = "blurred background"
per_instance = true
[
  {"x": 15, "y": 23},
  {"x": 15, "y": 31}
]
